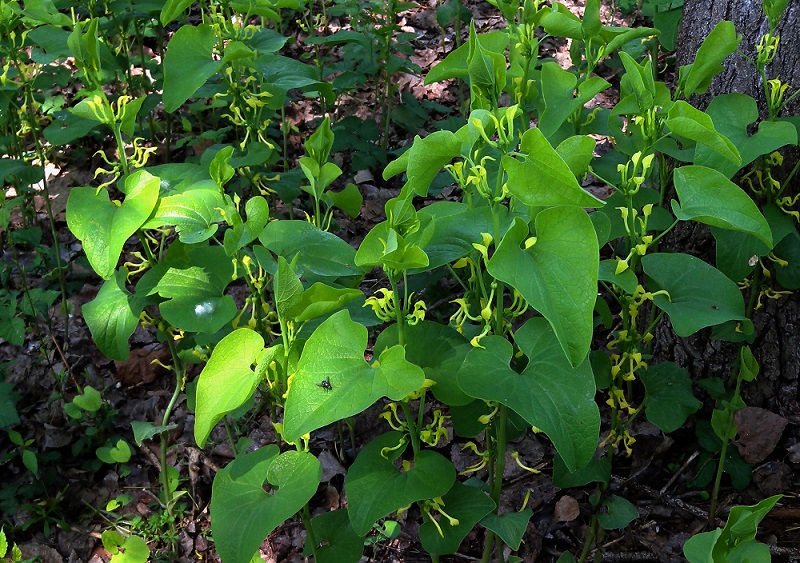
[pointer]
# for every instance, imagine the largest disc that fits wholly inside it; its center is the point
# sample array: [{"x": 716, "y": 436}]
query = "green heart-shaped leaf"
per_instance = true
[
  {"x": 689, "y": 122},
  {"x": 464, "y": 503},
  {"x": 194, "y": 214},
  {"x": 542, "y": 178},
  {"x": 549, "y": 394},
  {"x": 670, "y": 400},
  {"x": 227, "y": 380},
  {"x": 333, "y": 381},
  {"x": 90, "y": 400},
  {"x": 706, "y": 196},
  {"x": 112, "y": 316},
  {"x": 337, "y": 542},
  {"x": 618, "y": 514},
  {"x": 510, "y": 526},
  {"x": 375, "y": 487},
  {"x": 699, "y": 294},
  {"x": 103, "y": 226},
  {"x": 557, "y": 275},
  {"x": 243, "y": 513},
  {"x": 439, "y": 350},
  {"x": 189, "y": 62}
]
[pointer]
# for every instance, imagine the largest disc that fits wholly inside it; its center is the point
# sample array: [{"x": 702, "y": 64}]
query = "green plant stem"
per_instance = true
[
  {"x": 587, "y": 546},
  {"x": 413, "y": 430},
  {"x": 712, "y": 511},
  {"x": 123, "y": 158},
  {"x": 168, "y": 499},
  {"x": 488, "y": 546},
  {"x": 305, "y": 516}
]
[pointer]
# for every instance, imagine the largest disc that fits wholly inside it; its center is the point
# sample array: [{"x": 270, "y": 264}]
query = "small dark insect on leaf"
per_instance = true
[
  {"x": 715, "y": 307},
  {"x": 325, "y": 384}
]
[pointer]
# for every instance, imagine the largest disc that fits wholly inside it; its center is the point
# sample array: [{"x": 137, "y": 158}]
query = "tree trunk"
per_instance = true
[
  {"x": 700, "y": 17},
  {"x": 777, "y": 344}
]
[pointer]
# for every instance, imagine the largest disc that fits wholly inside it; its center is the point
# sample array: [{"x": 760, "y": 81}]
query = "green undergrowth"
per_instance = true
[{"x": 211, "y": 226}]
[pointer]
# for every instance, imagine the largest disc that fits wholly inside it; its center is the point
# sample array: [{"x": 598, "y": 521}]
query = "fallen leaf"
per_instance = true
[
  {"x": 566, "y": 509},
  {"x": 759, "y": 432}
]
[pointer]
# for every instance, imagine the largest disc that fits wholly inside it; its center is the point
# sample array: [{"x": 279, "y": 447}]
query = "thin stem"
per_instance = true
[
  {"x": 177, "y": 366},
  {"x": 305, "y": 516},
  {"x": 587, "y": 546}
]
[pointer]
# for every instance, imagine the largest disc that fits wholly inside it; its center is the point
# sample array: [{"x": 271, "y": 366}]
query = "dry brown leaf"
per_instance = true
[
  {"x": 567, "y": 509},
  {"x": 759, "y": 432}
]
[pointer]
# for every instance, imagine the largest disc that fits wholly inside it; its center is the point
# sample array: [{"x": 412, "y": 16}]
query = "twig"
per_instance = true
[
  {"x": 679, "y": 472},
  {"x": 668, "y": 500}
]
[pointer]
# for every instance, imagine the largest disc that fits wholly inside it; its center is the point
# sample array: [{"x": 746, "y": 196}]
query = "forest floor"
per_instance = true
[{"x": 64, "y": 519}]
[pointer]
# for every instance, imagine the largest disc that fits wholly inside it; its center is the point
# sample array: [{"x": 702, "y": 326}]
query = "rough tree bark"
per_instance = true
[{"x": 777, "y": 345}]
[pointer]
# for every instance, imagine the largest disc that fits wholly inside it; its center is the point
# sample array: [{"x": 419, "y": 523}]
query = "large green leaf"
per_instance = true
[
  {"x": 337, "y": 541},
  {"x": 733, "y": 114},
  {"x": 670, "y": 400},
  {"x": 193, "y": 213},
  {"x": 322, "y": 254},
  {"x": 721, "y": 42},
  {"x": 542, "y": 178},
  {"x": 439, "y": 350},
  {"x": 464, "y": 503},
  {"x": 189, "y": 62},
  {"x": 455, "y": 64},
  {"x": 227, "y": 380},
  {"x": 103, "y": 226},
  {"x": 320, "y": 300},
  {"x": 112, "y": 317},
  {"x": 549, "y": 394},
  {"x": 707, "y": 196},
  {"x": 195, "y": 302},
  {"x": 558, "y": 96},
  {"x": 699, "y": 294},
  {"x": 689, "y": 122},
  {"x": 510, "y": 526},
  {"x": 335, "y": 354},
  {"x": 172, "y": 9},
  {"x": 426, "y": 157},
  {"x": 557, "y": 275},
  {"x": 375, "y": 487},
  {"x": 243, "y": 513}
]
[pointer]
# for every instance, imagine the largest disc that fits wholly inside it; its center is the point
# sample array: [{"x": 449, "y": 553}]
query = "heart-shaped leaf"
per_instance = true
[
  {"x": 618, "y": 514},
  {"x": 375, "y": 487},
  {"x": 510, "y": 526},
  {"x": 337, "y": 541},
  {"x": 194, "y": 214},
  {"x": 333, "y": 381},
  {"x": 189, "y": 62},
  {"x": 439, "y": 350},
  {"x": 102, "y": 226},
  {"x": 549, "y": 394},
  {"x": 732, "y": 115},
  {"x": 227, "y": 380},
  {"x": 90, "y": 400},
  {"x": 143, "y": 430},
  {"x": 322, "y": 254},
  {"x": 243, "y": 513},
  {"x": 194, "y": 294},
  {"x": 699, "y": 294},
  {"x": 557, "y": 275},
  {"x": 542, "y": 178},
  {"x": 670, "y": 400},
  {"x": 464, "y": 503},
  {"x": 689, "y": 122},
  {"x": 320, "y": 300},
  {"x": 112, "y": 316},
  {"x": 707, "y": 196}
]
